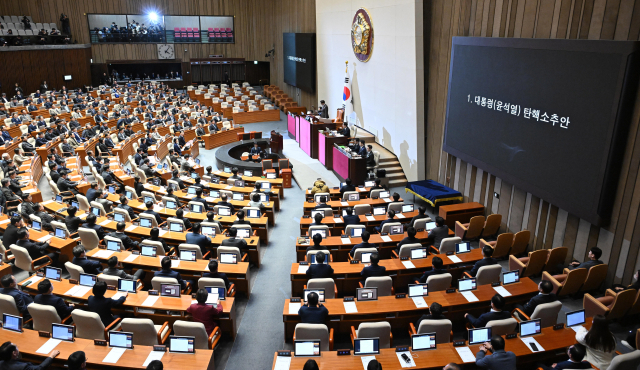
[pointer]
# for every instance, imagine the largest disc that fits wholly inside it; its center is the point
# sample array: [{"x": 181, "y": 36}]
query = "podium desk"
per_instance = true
[
  {"x": 325, "y": 147},
  {"x": 345, "y": 166},
  {"x": 462, "y": 212},
  {"x": 399, "y": 312}
]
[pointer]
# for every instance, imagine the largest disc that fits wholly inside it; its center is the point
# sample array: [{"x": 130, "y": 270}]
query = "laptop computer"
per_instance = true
[
  {"x": 306, "y": 348},
  {"x": 366, "y": 346},
  {"x": 510, "y": 277},
  {"x": 480, "y": 335},
  {"x": 422, "y": 342},
  {"x": 182, "y": 344}
]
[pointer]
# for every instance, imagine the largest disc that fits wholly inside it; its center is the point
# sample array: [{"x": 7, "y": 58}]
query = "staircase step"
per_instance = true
[{"x": 391, "y": 169}]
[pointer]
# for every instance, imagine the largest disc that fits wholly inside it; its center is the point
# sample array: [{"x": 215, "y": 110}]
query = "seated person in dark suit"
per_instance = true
[
  {"x": 154, "y": 236},
  {"x": 316, "y": 239},
  {"x": 312, "y": 312},
  {"x": 36, "y": 249},
  {"x": 80, "y": 259},
  {"x": 232, "y": 241},
  {"x": 124, "y": 204},
  {"x": 21, "y": 298},
  {"x": 374, "y": 269},
  {"x": 345, "y": 131},
  {"x": 127, "y": 243},
  {"x": 323, "y": 203},
  {"x": 65, "y": 184},
  {"x": 168, "y": 273},
  {"x": 213, "y": 273},
  {"x": 223, "y": 202},
  {"x": 576, "y": 355},
  {"x": 319, "y": 270},
  {"x": 113, "y": 270},
  {"x": 421, "y": 214},
  {"x": 10, "y": 358},
  {"x": 150, "y": 211},
  {"x": 377, "y": 186},
  {"x": 91, "y": 224},
  {"x": 102, "y": 306},
  {"x": 499, "y": 359},
  {"x": 350, "y": 218},
  {"x": 391, "y": 214},
  {"x": 487, "y": 251},
  {"x": 202, "y": 241},
  {"x": 46, "y": 297},
  {"x": 199, "y": 198},
  {"x": 365, "y": 243},
  {"x": 241, "y": 220},
  {"x": 436, "y": 269},
  {"x": 410, "y": 239},
  {"x": 92, "y": 192},
  {"x": 347, "y": 187},
  {"x": 438, "y": 233},
  {"x": 435, "y": 313},
  {"x": 496, "y": 313},
  {"x": 594, "y": 260},
  {"x": 180, "y": 216},
  {"x": 545, "y": 289},
  {"x": 71, "y": 221},
  {"x": 256, "y": 149},
  {"x": 78, "y": 361}
]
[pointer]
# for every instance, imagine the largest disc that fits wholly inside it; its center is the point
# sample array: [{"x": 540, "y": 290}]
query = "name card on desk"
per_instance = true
[
  {"x": 531, "y": 342},
  {"x": 337, "y": 220},
  {"x": 419, "y": 302},
  {"x": 345, "y": 240},
  {"x": 48, "y": 346},
  {"x": 154, "y": 355}
]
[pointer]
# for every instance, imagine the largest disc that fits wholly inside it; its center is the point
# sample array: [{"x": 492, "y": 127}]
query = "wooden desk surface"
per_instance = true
[
  {"x": 63, "y": 246},
  {"x": 29, "y": 342},
  {"x": 339, "y": 204}
]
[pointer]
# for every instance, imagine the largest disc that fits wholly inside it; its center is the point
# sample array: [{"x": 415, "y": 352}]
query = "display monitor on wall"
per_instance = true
[
  {"x": 548, "y": 116},
  {"x": 299, "y": 54}
]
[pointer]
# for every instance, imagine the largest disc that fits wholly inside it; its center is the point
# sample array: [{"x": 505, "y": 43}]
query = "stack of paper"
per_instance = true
[
  {"x": 366, "y": 360},
  {"x": 103, "y": 254},
  {"x": 403, "y": 363},
  {"x": 162, "y": 232},
  {"x": 175, "y": 263},
  {"x": 118, "y": 295},
  {"x": 350, "y": 307},
  {"x": 282, "y": 363},
  {"x": 399, "y": 215},
  {"x": 465, "y": 354},
  {"x": 78, "y": 291},
  {"x": 302, "y": 269},
  {"x": 502, "y": 291},
  {"x": 153, "y": 355},
  {"x": 529, "y": 340},
  {"x": 345, "y": 240},
  {"x": 104, "y": 223},
  {"x": 470, "y": 296},
  {"x": 114, "y": 355},
  {"x": 371, "y": 218},
  {"x": 419, "y": 302},
  {"x": 131, "y": 258},
  {"x": 294, "y": 308},
  {"x": 386, "y": 238},
  {"x": 337, "y": 220},
  {"x": 344, "y": 204},
  {"x": 48, "y": 346},
  {"x": 35, "y": 278},
  {"x": 45, "y": 238},
  {"x": 408, "y": 264},
  {"x": 150, "y": 301},
  {"x": 130, "y": 228},
  {"x": 454, "y": 258}
]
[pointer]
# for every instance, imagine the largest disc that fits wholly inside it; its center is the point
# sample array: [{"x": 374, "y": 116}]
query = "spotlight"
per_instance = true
[{"x": 153, "y": 16}]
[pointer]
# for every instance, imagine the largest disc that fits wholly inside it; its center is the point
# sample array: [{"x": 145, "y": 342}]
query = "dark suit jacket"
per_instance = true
[
  {"x": 126, "y": 240},
  {"x": 155, "y": 214},
  {"x": 587, "y": 265},
  {"x": 202, "y": 241},
  {"x": 313, "y": 315},
  {"x": 319, "y": 271},
  {"x": 347, "y": 188},
  {"x": 407, "y": 240},
  {"x": 21, "y": 365},
  {"x": 102, "y": 306},
  {"x": 362, "y": 245},
  {"x": 413, "y": 220},
  {"x": 22, "y": 299},
  {"x": 58, "y": 303},
  {"x": 372, "y": 270},
  {"x": 483, "y": 262},
  {"x": 10, "y": 236},
  {"x": 324, "y": 111},
  {"x": 499, "y": 360},
  {"x": 171, "y": 274},
  {"x": 99, "y": 230},
  {"x": 91, "y": 195},
  {"x": 530, "y": 306},
  {"x": 572, "y": 365},
  {"x": 89, "y": 266},
  {"x": 438, "y": 234},
  {"x": 73, "y": 223},
  {"x": 117, "y": 272},
  {"x": 433, "y": 271},
  {"x": 36, "y": 250},
  {"x": 351, "y": 220},
  {"x": 482, "y": 321},
  {"x": 236, "y": 242},
  {"x": 428, "y": 317}
]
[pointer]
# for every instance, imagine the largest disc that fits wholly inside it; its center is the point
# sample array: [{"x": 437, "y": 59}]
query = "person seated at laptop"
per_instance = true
[
  {"x": 168, "y": 273},
  {"x": 545, "y": 295},
  {"x": 91, "y": 224},
  {"x": 487, "y": 260},
  {"x": 312, "y": 312},
  {"x": 223, "y": 202},
  {"x": 346, "y": 187},
  {"x": 316, "y": 239},
  {"x": 241, "y": 220},
  {"x": 127, "y": 243},
  {"x": 45, "y": 217},
  {"x": 21, "y": 299},
  {"x": 194, "y": 237},
  {"x": 374, "y": 269},
  {"x": 234, "y": 241},
  {"x": 319, "y": 270},
  {"x": 180, "y": 216},
  {"x": 176, "y": 178},
  {"x": 365, "y": 243},
  {"x": 256, "y": 203},
  {"x": 256, "y": 150},
  {"x": 438, "y": 233},
  {"x": 435, "y": 313},
  {"x": 205, "y": 313},
  {"x": 499, "y": 359},
  {"x": 323, "y": 203},
  {"x": 154, "y": 236},
  {"x": 350, "y": 218},
  {"x": 317, "y": 219},
  {"x": 436, "y": 269},
  {"x": 35, "y": 249},
  {"x": 496, "y": 313},
  {"x": 214, "y": 274},
  {"x": 576, "y": 355},
  {"x": 149, "y": 204},
  {"x": 10, "y": 358},
  {"x": 124, "y": 204},
  {"x": 46, "y": 297},
  {"x": 234, "y": 172},
  {"x": 391, "y": 214},
  {"x": 377, "y": 186},
  {"x": 101, "y": 305},
  {"x": 80, "y": 259},
  {"x": 409, "y": 239},
  {"x": 113, "y": 270}
]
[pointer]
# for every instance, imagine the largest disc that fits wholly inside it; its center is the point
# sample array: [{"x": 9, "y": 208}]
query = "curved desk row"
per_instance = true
[{"x": 336, "y": 224}]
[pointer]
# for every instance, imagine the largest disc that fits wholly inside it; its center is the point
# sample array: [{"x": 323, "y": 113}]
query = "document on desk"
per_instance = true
[
  {"x": 114, "y": 355},
  {"x": 408, "y": 264},
  {"x": 344, "y": 204},
  {"x": 366, "y": 360},
  {"x": 419, "y": 302},
  {"x": 104, "y": 223},
  {"x": 282, "y": 363},
  {"x": 43, "y": 203},
  {"x": 345, "y": 240},
  {"x": 81, "y": 291},
  {"x": 454, "y": 258},
  {"x": 302, "y": 269},
  {"x": 337, "y": 220},
  {"x": 228, "y": 187},
  {"x": 210, "y": 199},
  {"x": 103, "y": 254},
  {"x": 529, "y": 340},
  {"x": 83, "y": 216},
  {"x": 153, "y": 355},
  {"x": 35, "y": 278},
  {"x": 29, "y": 191},
  {"x": 386, "y": 238},
  {"x": 162, "y": 232},
  {"x": 370, "y": 218},
  {"x": 403, "y": 363},
  {"x": 48, "y": 346},
  {"x": 45, "y": 238},
  {"x": 150, "y": 301},
  {"x": 294, "y": 308},
  {"x": 502, "y": 291},
  {"x": 118, "y": 295},
  {"x": 130, "y": 228},
  {"x": 72, "y": 291},
  {"x": 470, "y": 296},
  {"x": 465, "y": 354},
  {"x": 399, "y": 215},
  {"x": 175, "y": 263},
  {"x": 350, "y": 307},
  {"x": 575, "y": 328},
  {"x": 8, "y": 220},
  {"x": 388, "y": 200},
  {"x": 131, "y": 258}
]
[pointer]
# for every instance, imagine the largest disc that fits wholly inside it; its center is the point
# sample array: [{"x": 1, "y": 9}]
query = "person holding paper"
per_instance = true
[
  {"x": 320, "y": 270},
  {"x": 10, "y": 359},
  {"x": 80, "y": 259},
  {"x": 313, "y": 312},
  {"x": 205, "y": 313},
  {"x": 410, "y": 239},
  {"x": 599, "y": 341},
  {"x": 499, "y": 360},
  {"x": 365, "y": 243},
  {"x": 46, "y": 297},
  {"x": 101, "y": 305},
  {"x": 436, "y": 269},
  {"x": 496, "y": 313},
  {"x": 435, "y": 313},
  {"x": 487, "y": 252},
  {"x": 545, "y": 295},
  {"x": 576, "y": 354},
  {"x": 374, "y": 269},
  {"x": 77, "y": 361}
]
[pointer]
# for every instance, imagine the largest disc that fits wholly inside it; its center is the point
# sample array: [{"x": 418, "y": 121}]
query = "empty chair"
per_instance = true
[
  {"x": 501, "y": 246},
  {"x": 361, "y": 209},
  {"x": 546, "y": 312},
  {"x": 329, "y": 286},
  {"x": 74, "y": 270},
  {"x": 145, "y": 333},
  {"x": 439, "y": 282},
  {"x": 472, "y": 229},
  {"x": 111, "y": 280},
  {"x": 197, "y": 330},
  {"x": 520, "y": 242},
  {"x": 157, "y": 281},
  {"x": 487, "y": 274},
  {"x": 381, "y": 330},
  {"x": 491, "y": 225},
  {"x": 625, "y": 361},
  {"x": 612, "y": 306},
  {"x": 502, "y": 327},
  {"x": 23, "y": 259},
  {"x": 447, "y": 245},
  {"x": 556, "y": 257},
  {"x": 89, "y": 238},
  {"x": 89, "y": 326},
  {"x": 442, "y": 328},
  {"x": 595, "y": 278},
  {"x": 315, "y": 332},
  {"x": 529, "y": 266},
  {"x": 43, "y": 316},
  {"x": 566, "y": 284},
  {"x": 383, "y": 283},
  {"x": 83, "y": 202}
]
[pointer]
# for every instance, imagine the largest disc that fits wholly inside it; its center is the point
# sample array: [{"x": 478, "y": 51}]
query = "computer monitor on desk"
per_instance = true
[
  {"x": 480, "y": 335},
  {"x": 53, "y": 273},
  {"x": 224, "y": 211},
  {"x": 170, "y": 290},
  {"x": 219, "y": 292},
  {"x": 230, "y": 258},
  {"x": 366, "y": 346},
  {"x": 36, "y": 225},
  {"x": 575, "y": 318},
  {"x": 422, "y": 342},
  {"x": 171, "y": 204},
  {"x": 243, "y": 233},
  {"x": 467, "y": 285},
  {"x": 196, "y": 208},
  {"x": 322, "y": 232},
  {"x": 11, "y": 322},
  {"x": 145, "y": 222},
  {"x": 88, "y": 280},
  {"x": 186, "y": 255},
  {"x": 114, "y": 245},
  {"x": 118, "y": 217},
  {"x": 510, "y": 277},
  {"x": 379, "y": 211},
  {"x": 530, "y": 327},
  {"x": 419, "y": 253},
  {"x": 306, "y": 348},
  {"x": 62, "y": 332},
  {"x": 319, "y": 292},
  {"x": 128, "y": 286},
  {"x": 208, "y": 230},
  {"x": 120, "y": 339},
  {"x": 182, "y": 344},
  {"x": 463, "y": 247}
]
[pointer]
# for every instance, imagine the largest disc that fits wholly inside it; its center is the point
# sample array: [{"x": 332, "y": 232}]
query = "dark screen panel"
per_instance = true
[
  {"x": 546, "y": 115},
  {"x": 299, "y": 50}
]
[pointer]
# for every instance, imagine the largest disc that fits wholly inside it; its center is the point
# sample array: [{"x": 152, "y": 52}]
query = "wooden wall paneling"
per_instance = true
[
  {"x": 504, "y": 205},
  {"x": 489, "y": 204},
  {"x": 562, "y": 26},
  {"x": 472, "y": 182},
  {"x": 561, "y": 226},
  {"x": 463, "y": 177},
  {"x": 483, "y": 188},
  {"x": 594, "y": 232},
  {"x": 634, "y": 28},
  {"x": 551, "y": 227},
  {"x": 623, "y": 23},
  {"x": 542, "y": 225},
  {"x": 610, "y": 20},
  {"x": 545, "y": 19},
  {"x": 571, "y": 235},
  {"x": 517, "y": 210}
]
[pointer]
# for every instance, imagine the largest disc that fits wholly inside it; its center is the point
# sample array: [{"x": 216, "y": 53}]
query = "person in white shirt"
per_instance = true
[{"x": 600, "y": 343}]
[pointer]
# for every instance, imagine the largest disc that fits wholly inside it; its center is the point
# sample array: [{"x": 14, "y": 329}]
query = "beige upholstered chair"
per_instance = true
[
  {"x": 438, "y": 283},
  {"x": 122, "y": 212},
  {"x": 546, "y": 312},
  {"x": 405, "y": 250},
  {"x": 218, "y": 283},
  {"x": 108, "y": 238},
  {"x": 23, "y": 259},
  {"x": 43, "y": 316},
  {"x": 361, "y": 209},
  {"x": 503, "y": 327},
  {"x": 447, "y": 245},
  {"x": 383, "y": 283},
  {"x": 157, "y": 281},
  {"x": 386, "y": 227},
  {"x": 491, "y": 225},
  {"x": 145, "y": 333},
  {"x": 347, "y": 230},
  {"x": 568, "y": 283},
  {"x": 74, "y": 270},
  {"x": 197, "y": 330},
  {"x": 626, "y": 361},
  {"x": 239, "y": 256},
  {"x": 192, "y": 247},
  {"x": 501, "y": 246},
  {"x": 89, "y": 238},
  {"x": 421, "y": 223},
  {"x": 442, "y": 328},
  {"x": 150, "y": 217},
  {"x": 531, "y": 265},
  {"x": 83, "y": 202},
  {"x": 612, "y": 306},
  {"x": 8, "y": 305},
  {"x": 488, "y": 274},
  {"x": 381, "y": 330},
  {"x": 329, "y": 286},
  {"x": 315, "y": 332},
  {"x": 357, "y": 255},
  {"x": 471, "y": 230},
  {"x": 89, "y": 326}
]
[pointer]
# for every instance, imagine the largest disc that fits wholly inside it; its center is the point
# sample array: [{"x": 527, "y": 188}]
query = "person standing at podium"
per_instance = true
[{"x": 324, "y": 110}]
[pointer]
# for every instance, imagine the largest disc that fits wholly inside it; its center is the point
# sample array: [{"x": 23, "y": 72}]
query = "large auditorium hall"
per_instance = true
[{"x": 320, "y": 184}]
